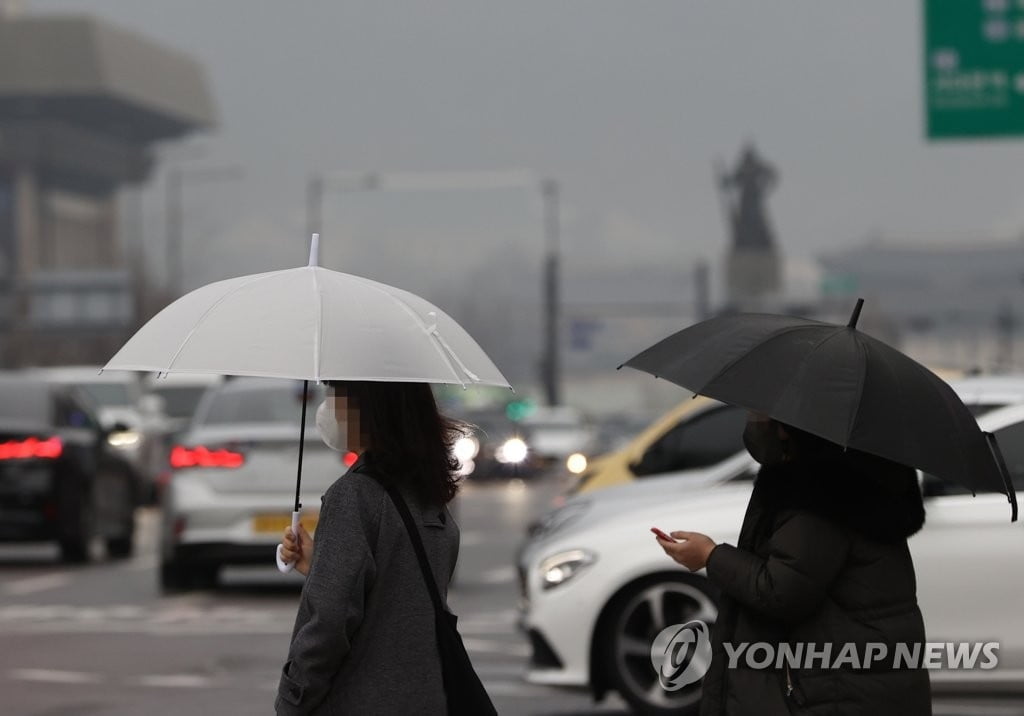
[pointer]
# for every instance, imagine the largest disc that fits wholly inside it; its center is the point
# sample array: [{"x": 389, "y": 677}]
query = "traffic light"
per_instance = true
[{"x": 517, "y": 410}]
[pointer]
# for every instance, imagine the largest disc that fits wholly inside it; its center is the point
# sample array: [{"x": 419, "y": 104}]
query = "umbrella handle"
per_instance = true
[{"x": 282, "y": 566}]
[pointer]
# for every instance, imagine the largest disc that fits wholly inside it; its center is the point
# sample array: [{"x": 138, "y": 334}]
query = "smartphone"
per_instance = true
[{"x": 663, "y": 536}]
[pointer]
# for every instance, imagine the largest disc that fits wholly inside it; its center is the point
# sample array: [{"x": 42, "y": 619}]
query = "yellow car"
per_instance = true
[{"x": 696, "y": 433}]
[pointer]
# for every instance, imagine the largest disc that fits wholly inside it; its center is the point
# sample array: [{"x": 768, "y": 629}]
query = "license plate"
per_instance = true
[{"x": 277, "y": 523}]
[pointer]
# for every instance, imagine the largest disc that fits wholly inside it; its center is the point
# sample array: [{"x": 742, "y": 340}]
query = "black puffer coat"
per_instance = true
[{"x": 822, "y": 558}]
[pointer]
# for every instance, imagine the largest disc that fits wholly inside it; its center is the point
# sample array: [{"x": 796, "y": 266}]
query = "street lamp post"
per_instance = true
[
  {"x": 317, "y": 185},
  {"x": 314, "y": 204},
  {"x": 347, "y": 182},
  {"x": 177, "y": 177},
  {"x": 552, "y": 284}
]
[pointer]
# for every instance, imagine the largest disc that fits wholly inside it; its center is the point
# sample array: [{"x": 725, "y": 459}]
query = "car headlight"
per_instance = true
[
  {"x": 513, "y": 450},
  {"x": 125, "y": 439},
  {"x": 466, "y": 448},
  {"x": 576, "y": 463},
  {"x": 560, "y": 568}
]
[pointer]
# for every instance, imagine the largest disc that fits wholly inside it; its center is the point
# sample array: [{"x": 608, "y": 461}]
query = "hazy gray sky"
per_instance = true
[{"x": 626, "y": 103}]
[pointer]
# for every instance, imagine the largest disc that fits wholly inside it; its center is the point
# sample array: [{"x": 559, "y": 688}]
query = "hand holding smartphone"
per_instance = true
[{"x": 663, "y": 536}]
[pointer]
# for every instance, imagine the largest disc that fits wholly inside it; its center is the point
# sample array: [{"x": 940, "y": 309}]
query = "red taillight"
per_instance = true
[
  {"x": 49, "y": 449},
  {"x": 200, "y": 456},
  {"x": 350, "y": 458}
]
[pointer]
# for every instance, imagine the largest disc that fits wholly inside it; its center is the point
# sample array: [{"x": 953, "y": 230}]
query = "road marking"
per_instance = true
[
  {"x": 480, "y": 623},
  {"x": 140, "y": 564},
  {"x": 175, "y": 681},
  {"x": 198, "y": 615},
  {"x": 492, "y": 646},
  {"x": 32, "y": 585},
  {"x": 485, "y": 670},
  {"x": 54, "y": 676},
  {"x": 519, "y": 689},
  {"x": 470, "y": 539},
  {"x": 968, "y": 708},
  {"x": 501, "y": 575},
  {"x": 182, "y": 618}
]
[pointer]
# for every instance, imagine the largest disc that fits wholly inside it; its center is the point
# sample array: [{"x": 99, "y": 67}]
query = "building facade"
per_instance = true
[
  {"x": 954, "y": 304},
  {"x": 81, "y": 105}
]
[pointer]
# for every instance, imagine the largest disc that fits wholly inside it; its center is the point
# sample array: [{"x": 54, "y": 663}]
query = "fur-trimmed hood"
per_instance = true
[{"x": 875, "y": 497}]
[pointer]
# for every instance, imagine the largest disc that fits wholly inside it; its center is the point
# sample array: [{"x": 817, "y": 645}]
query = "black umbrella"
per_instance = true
[{"x": 837, "y": 383}]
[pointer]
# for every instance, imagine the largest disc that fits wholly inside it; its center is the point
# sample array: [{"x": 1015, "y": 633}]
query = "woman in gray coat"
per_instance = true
[{"x": 364, "y": 640}]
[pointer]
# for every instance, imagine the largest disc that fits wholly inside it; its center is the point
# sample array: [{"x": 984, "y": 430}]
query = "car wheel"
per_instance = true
[
  {"x": 634, "y": 620},
  {"x": 120, "y": 547},
  {"x": 205, "y": 576},
  {"x": 173, "y": 578},
  {"x": 179, "y": 577},
  {"x": 74, "y": 544}
]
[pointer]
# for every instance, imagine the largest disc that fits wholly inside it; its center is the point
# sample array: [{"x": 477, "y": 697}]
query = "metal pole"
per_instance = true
[
  {"x": 550, "y": 363},
  {"x": 174, "y": 219},
  {"x": 314, "y": 204},
  {"x": 302, "y": 445},
  {"x": 702, "y": 287}
]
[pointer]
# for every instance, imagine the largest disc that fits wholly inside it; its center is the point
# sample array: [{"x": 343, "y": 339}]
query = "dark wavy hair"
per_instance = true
[{"x": 408, "y": 440}]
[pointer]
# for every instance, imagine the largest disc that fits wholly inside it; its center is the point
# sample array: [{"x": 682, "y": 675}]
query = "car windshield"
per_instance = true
[
  {"x": 28, "y": 402},
  {"x": 108, "y": 393},
  {"x": 261, "y": 405},
  {"x": 180, "y": 401}
]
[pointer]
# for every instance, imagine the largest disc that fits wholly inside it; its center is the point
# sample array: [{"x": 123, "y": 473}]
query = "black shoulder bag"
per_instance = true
[{"x": 462, "y": 687}]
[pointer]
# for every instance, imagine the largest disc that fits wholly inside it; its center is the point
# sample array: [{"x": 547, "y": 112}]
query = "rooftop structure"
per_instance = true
[{"x": 81, "y": 104}]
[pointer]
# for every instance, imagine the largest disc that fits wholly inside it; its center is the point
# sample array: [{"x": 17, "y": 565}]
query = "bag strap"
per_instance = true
[{"x": 417, "y": 543}]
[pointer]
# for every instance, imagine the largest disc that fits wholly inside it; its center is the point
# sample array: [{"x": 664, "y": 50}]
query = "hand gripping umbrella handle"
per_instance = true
[{"x": 282, "y": 566}]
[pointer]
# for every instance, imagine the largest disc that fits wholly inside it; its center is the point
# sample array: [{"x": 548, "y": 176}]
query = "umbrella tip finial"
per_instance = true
[
  {"x": 314, "y": 250},
  {"x": 856, "y": 313}
]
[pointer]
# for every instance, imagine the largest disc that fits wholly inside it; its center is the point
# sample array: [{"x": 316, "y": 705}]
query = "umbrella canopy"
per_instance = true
[
  {"x": 837, "y": 383},
  {"x": 308, "y": 323}
]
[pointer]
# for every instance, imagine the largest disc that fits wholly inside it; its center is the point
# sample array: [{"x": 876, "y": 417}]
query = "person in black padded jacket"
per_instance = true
[{"x": 822, "y": 558}]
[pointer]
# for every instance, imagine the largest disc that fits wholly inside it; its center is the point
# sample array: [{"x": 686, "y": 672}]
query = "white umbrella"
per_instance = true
[{"x": 308, "y": 323}]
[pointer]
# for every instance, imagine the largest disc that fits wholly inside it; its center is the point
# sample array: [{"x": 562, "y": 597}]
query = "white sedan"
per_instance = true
[
  {"x": 597, "y": 589},
  {"x": 232, "y": 484}
]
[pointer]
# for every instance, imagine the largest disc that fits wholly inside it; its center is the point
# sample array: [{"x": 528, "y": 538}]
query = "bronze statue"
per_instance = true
[
  {"x": 745, "y": 191},
  {"x": 753, "y": 270}
]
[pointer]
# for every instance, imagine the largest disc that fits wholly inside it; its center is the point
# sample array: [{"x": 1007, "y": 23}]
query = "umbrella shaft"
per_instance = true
[{"x": 302, "y": 444}]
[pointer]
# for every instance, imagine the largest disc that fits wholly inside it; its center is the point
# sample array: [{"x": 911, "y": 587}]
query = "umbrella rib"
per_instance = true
[
  {"x": 860, "y": 386},
  {"x": 412, "y": 313},
  {"x": 721, "y": 371},
  {"x": 860, "y": 389},
  {"x": 318, "y": 337},
  {"x": 209, "y": 310}
]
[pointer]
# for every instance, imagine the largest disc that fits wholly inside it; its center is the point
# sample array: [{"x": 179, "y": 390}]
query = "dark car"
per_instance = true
[
  {"x": 60, "y": 479},
  {"x": 494, "y": 447}
]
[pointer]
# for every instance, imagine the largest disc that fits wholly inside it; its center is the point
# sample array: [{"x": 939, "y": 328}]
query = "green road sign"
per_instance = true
[{"x": 974, "y": 68}]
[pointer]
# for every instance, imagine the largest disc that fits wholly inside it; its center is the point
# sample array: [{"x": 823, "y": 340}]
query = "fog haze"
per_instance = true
[{"x": 627, "y": 104}]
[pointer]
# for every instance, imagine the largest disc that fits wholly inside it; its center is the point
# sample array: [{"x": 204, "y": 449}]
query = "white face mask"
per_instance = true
[{"x": 327, "y": 424}]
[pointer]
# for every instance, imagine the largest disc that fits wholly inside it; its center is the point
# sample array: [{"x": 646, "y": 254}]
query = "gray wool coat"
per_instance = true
[{"x": 364, "y": 640}]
